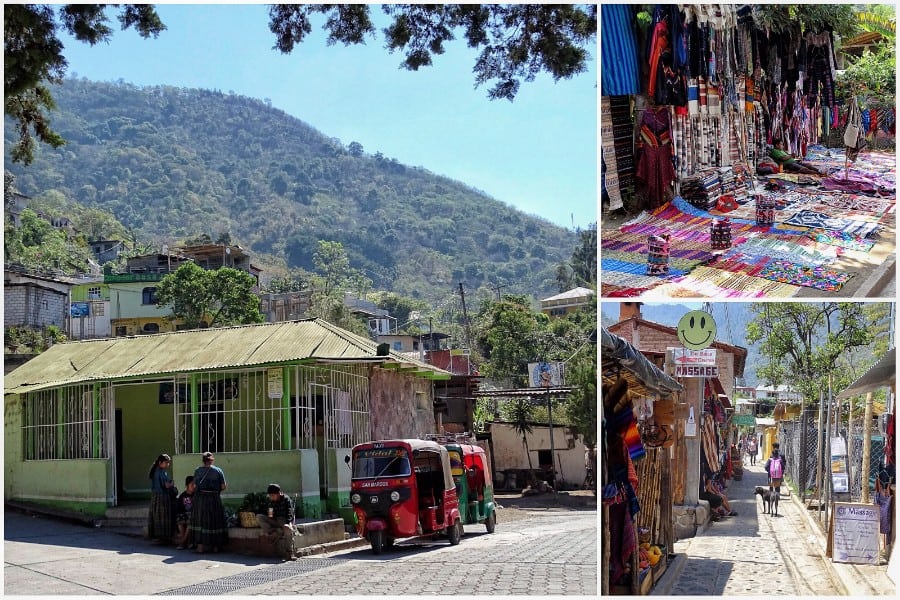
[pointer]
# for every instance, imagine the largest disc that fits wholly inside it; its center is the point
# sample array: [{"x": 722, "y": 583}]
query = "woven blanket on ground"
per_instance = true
[
  {"x": 681, "y": 265},
  {"x": 815, "y": 220},
  {"x": 709, "y": 282},
  {"x": 819, "y": 278},
  {"x": 631, "y": 280},
  {"x": 608, "y": 265},
  {"x": 790, "y": 250},
  {"x": 842, "y": 240}
]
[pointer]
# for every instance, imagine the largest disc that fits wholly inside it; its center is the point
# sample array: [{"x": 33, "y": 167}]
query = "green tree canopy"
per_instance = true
[
  {"x": 803, "y": 341},
  {"x": 220, "y": 297},
  {"x": 517, "y": 41},
  {"x": 33, "y": 59}
]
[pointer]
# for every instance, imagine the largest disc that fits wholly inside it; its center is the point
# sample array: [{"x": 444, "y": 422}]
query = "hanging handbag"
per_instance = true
[{"x": 851, "y": 135}]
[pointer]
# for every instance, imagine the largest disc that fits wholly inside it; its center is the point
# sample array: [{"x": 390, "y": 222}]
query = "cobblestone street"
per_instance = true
[
  {"x": 750, "y": 554},
  {"x": 551, "y": 553}
]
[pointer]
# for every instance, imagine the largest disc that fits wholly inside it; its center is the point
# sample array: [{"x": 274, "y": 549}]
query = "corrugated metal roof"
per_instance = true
[{"x": 202, "y": 350}]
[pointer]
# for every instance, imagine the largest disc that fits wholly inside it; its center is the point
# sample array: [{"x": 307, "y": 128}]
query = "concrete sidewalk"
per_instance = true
[
  {"x": 756, "y": 553},
  {"x": 50, "y": 556},
  {"x": 865, "y": 580}
]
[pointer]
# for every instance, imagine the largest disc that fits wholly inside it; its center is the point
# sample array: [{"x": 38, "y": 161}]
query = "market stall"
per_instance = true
[
  {"x": 714, "y": 130},
  {"x": 637, "y": 411}
]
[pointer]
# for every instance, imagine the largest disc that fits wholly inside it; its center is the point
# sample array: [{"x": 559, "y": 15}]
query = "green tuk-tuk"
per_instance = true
[{"x": 474, "y": 485}]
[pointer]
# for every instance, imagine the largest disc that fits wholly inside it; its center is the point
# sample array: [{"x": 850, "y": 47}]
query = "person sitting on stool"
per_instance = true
[{"x": 278, "y": 525}]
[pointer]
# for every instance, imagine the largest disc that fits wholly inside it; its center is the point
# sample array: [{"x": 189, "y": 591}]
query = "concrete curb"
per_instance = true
[
  {"x": 673, "y": 573},
  {"x": 838, "y": 576},
  {"x": 873, "y": 286},
  {"x": 59, "y": 513},
  {"x": 333, "y": 546}
]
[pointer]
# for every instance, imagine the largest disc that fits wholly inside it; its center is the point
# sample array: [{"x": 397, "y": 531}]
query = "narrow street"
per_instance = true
[
  {"x": 534, "y": 551},
  {"x": 750, "y": 554}
]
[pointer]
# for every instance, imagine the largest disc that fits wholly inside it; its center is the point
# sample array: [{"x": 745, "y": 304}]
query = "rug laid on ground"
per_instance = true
[{"x": 817, "y": 220}]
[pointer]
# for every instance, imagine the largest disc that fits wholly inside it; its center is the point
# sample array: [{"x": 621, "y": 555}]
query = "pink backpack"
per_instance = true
[{"x": 776, "y": 468}]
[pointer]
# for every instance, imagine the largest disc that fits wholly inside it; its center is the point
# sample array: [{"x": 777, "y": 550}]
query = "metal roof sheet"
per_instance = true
[{"x": 202, "y": 350}]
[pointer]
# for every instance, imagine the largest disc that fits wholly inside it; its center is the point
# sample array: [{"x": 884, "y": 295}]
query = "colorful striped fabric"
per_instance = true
[{"x": 619, "y": 72}]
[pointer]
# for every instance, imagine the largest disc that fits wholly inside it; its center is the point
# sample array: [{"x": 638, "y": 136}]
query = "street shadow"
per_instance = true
[
  {"x": 703, "y": 577},
  {"x": 27, "y": 528}
]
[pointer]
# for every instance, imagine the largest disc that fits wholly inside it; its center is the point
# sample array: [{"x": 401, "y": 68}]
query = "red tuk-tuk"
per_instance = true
[{"x": 403, "y": 488}]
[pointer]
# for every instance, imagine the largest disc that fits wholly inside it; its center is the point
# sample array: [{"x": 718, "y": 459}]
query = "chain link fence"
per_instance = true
[{"x": 802, "y": 454}]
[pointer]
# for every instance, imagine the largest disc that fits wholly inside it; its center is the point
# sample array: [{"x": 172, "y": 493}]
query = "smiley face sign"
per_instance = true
[{"x": 697, "y": 330}]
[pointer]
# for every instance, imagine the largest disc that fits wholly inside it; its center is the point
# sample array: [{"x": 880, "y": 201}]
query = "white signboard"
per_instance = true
[
  {"x": 839, "y": 479},
  {"x": 690, "y": 427},
  {"x": 855, "y": 533},
  {"x": 276, "y": 383},
  {"x": 546, "y": 374},
  {"x": 685, "y": 356}
]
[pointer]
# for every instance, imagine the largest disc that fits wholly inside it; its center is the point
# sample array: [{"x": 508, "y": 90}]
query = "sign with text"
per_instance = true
[
  {"x": 686, "y": 356},
  {"x": 839, "y": 478},
  {"x": 855, "y": 534},
  {"x": 694, "y": 371},
  {"x": 276, "y": 382},
  {"x": 80, "y": 309}
]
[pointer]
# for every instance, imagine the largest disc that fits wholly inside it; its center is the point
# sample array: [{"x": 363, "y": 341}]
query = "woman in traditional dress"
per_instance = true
[
  {"x": 161, "y": 521},
  {"x": 208, "y": 526}
]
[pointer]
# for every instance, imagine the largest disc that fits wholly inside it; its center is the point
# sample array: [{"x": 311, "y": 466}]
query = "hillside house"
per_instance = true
[
  {"x": 106, "y": 250},
  {"x": 510, "y": 460},
  {"x": 276, "y": 402},
  {"x": 34, "y": 301},
  {"x": 568, "y": 302},
  {"x": 89, "y": 310},
  {"x": 132, "y": 293}
]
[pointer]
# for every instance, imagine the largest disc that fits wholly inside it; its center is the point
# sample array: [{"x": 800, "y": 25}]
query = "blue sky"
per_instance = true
[{"x": 538, "y": 153}]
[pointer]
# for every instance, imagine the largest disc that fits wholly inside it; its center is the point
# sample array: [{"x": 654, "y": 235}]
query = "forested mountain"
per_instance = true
[{"x": 172, "y": 164}]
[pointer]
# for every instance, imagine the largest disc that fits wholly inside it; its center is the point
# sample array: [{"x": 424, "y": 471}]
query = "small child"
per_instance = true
[{"x": 183, "y": 506}]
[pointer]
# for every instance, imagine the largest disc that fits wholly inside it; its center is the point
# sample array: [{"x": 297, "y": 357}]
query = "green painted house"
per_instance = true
[{"x": 276, "y": 402}]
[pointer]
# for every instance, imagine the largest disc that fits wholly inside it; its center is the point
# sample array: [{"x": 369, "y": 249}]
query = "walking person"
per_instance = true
[
  {"x": 278, "y": 524},
  {"x": 775, "y": 467},
  {"x": 752, "y": 449},
  {"x": 161, "y": 520},
  {"x": 208, "y": 526}
]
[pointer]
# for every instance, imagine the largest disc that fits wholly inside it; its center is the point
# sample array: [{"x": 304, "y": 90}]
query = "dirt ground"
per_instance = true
[{"x": 513, "y": 507}]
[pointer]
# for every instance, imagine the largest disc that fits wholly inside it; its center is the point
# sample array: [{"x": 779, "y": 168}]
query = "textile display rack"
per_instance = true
[
  {"x": 727, "y": 118},
  {"x": 635, "y": 474}
]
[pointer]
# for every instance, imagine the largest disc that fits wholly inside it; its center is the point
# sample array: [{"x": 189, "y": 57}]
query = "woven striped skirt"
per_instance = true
[
  {"x": 208, "y": 525},
  {"x": 161, "y": 521}
]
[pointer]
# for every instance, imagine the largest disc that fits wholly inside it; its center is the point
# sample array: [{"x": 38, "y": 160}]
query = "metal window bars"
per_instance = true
[
  {"x": 67, "y": 423},
  {"x": 241, "y": 412}
]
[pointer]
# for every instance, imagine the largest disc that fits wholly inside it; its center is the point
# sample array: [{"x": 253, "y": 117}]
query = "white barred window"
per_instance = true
[{"x": 67, "y": 423}]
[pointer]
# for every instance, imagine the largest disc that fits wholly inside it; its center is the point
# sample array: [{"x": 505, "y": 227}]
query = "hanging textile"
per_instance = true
[
  {"x": 610, "y": 171},
  {"x": 619, "y": 60},
  {"x": 655, "y": 172}
]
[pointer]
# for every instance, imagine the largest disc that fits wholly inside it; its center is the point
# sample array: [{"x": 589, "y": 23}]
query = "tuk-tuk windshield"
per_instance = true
[{"x": 381, "y": 462}]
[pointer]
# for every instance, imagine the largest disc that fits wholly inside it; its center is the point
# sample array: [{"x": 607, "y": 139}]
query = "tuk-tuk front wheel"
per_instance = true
[
  {"x": 491, "y": 522},
  {"x": 376, "y": 539},
  {"x": 455, "y": 533}
]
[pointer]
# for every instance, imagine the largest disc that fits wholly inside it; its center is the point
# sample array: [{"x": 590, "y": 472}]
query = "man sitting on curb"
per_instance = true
[{"x": 278, "y": 525}]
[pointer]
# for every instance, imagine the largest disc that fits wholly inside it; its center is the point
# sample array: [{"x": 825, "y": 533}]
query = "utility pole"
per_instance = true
[
  {"x": 462, "y": 295},
  {"x": 497, "y": 289}
]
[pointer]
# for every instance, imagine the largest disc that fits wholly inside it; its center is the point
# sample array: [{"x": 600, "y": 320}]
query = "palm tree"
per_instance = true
[{"x": 521, "y": 413}]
